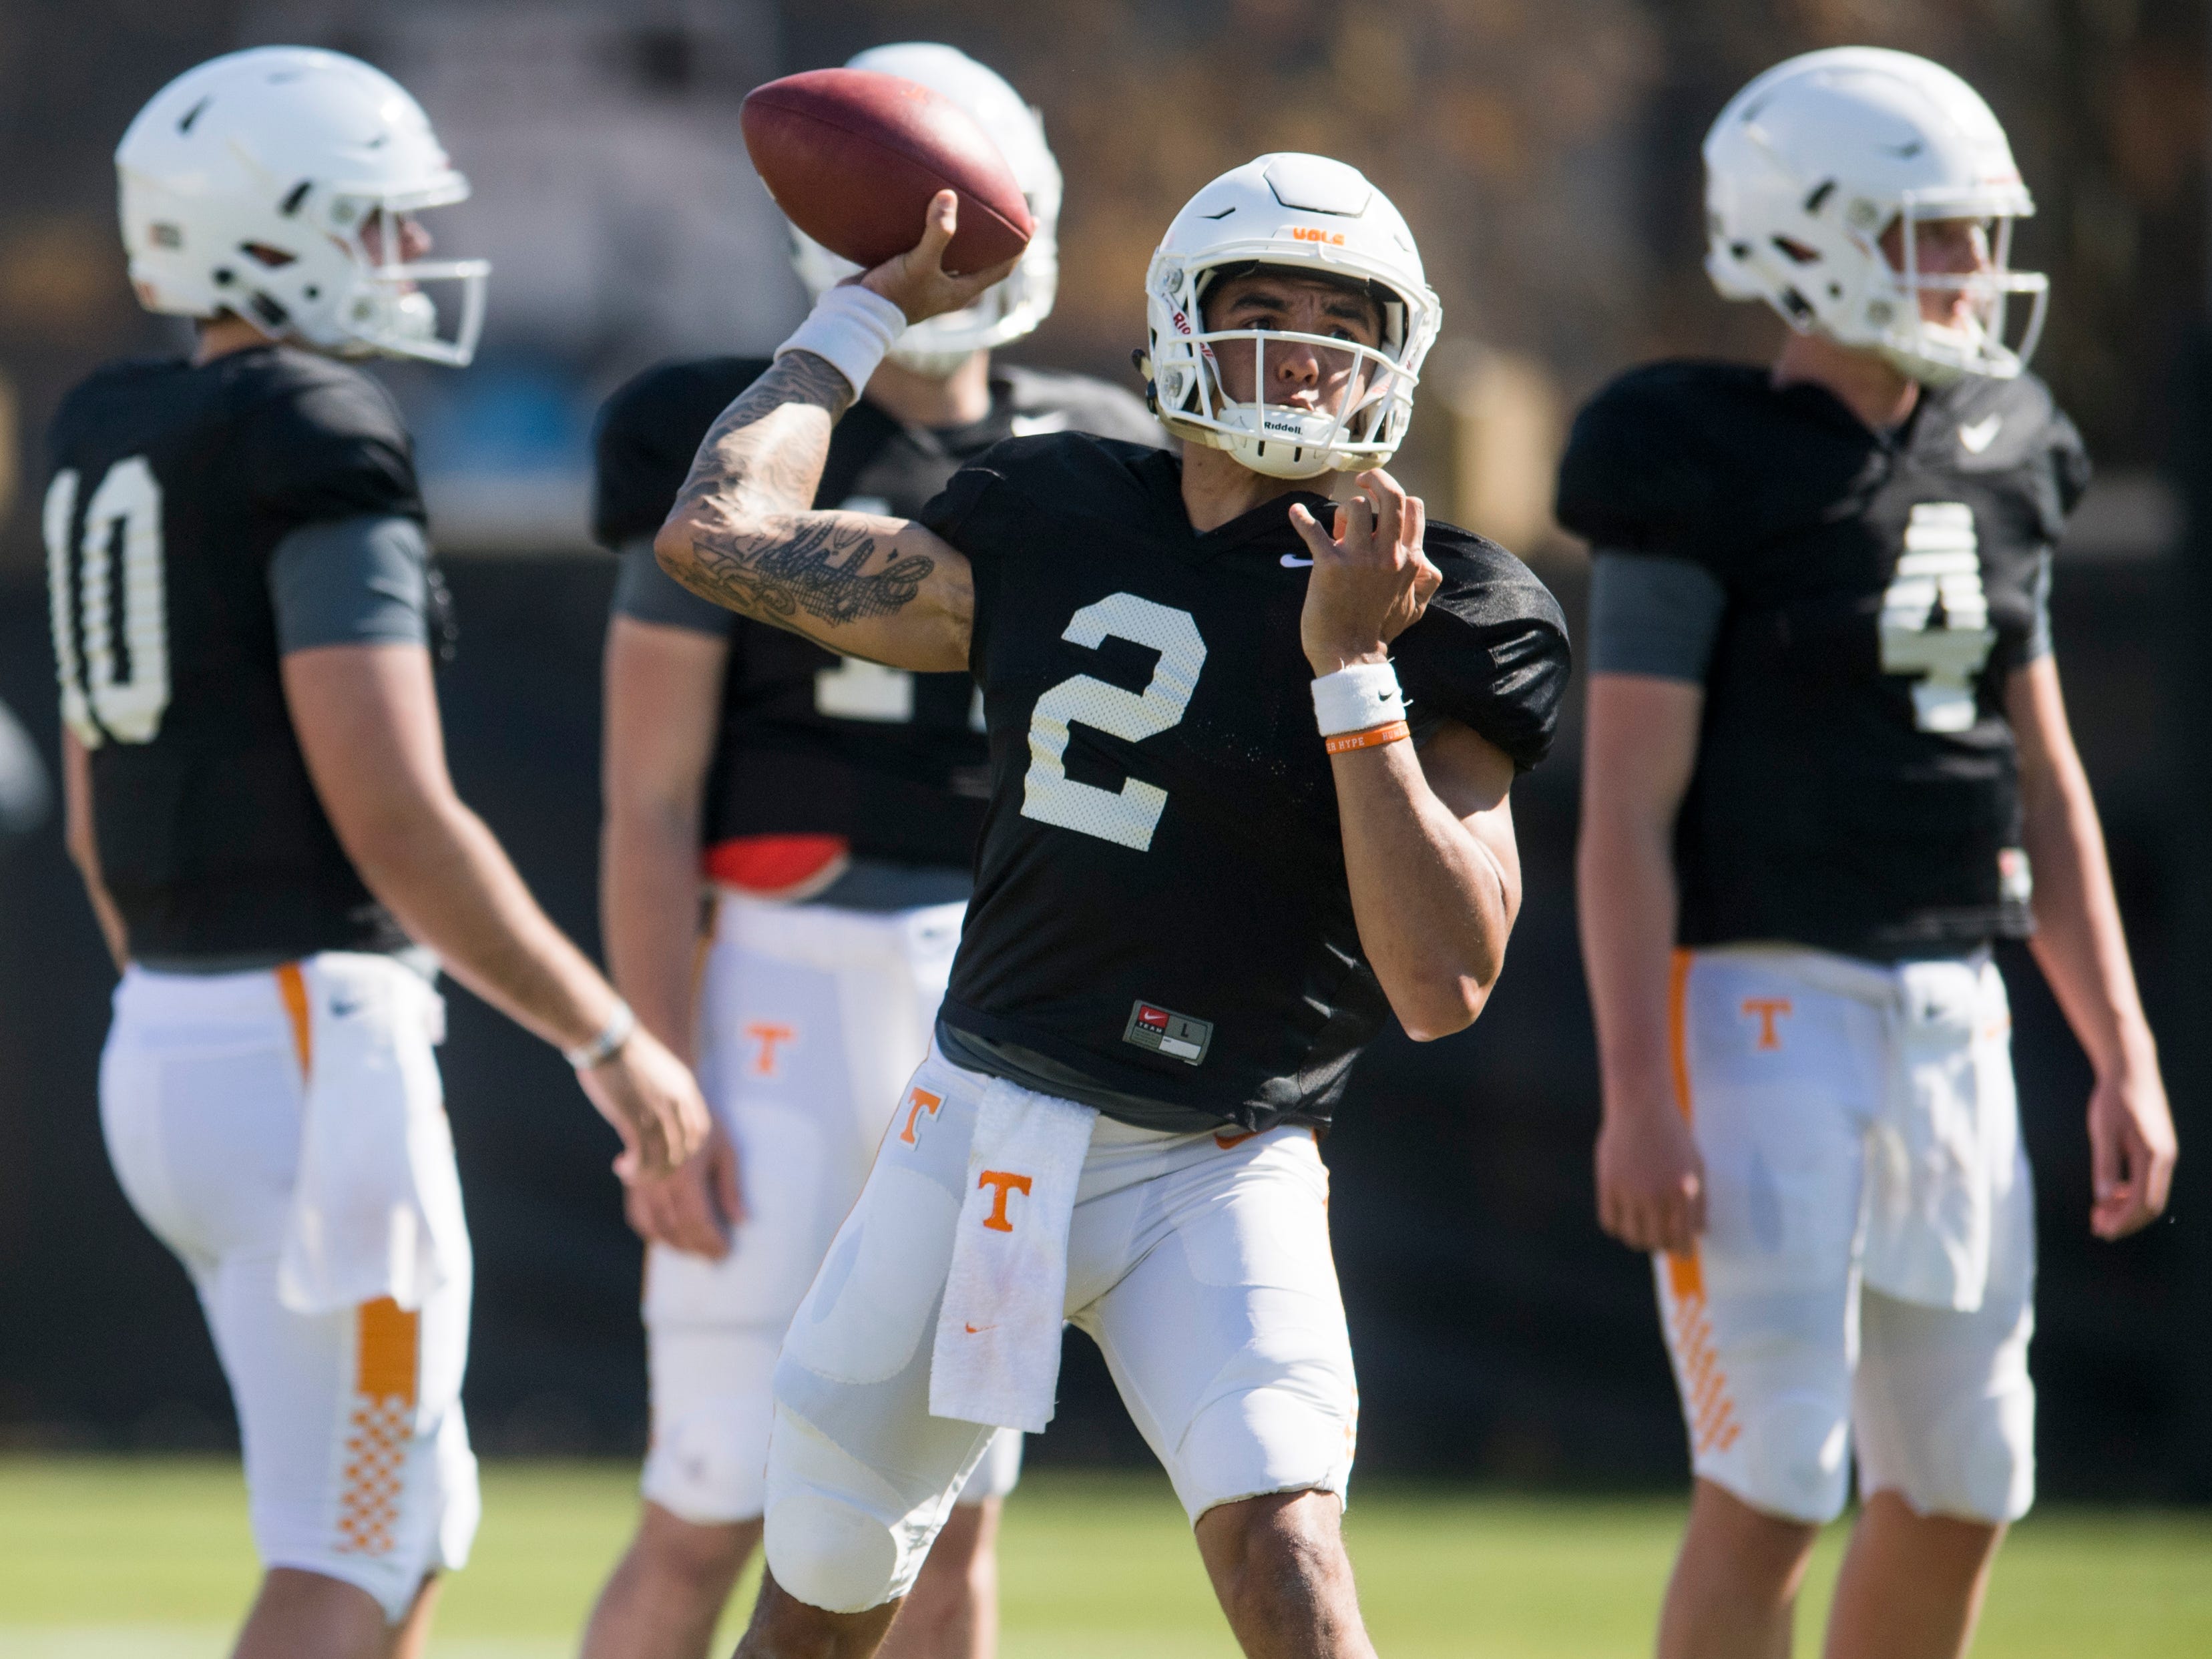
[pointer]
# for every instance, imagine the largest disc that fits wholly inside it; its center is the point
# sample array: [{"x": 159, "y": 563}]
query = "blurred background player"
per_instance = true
[
  {"x": 1828, "y": 763},
  {"x": 243, "y": 610},
  {"x": 25, "y": 795},
  {"x": 1203, "y": 885},
  {"x": 832, "y": 807}
]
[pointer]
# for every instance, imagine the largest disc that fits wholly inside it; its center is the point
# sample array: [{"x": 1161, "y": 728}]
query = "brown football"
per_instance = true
[{"x": 853, "y": 158}]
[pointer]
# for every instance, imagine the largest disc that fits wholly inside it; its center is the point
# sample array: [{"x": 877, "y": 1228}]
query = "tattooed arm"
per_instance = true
[{"x": 742, "y": 533}]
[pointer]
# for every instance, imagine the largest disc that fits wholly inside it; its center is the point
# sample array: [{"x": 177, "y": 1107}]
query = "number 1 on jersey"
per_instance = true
[{"x": 1130, "y": 814}]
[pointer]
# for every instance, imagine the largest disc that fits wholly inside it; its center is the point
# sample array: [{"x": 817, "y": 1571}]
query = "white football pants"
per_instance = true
[
  {"x": 357, "y": 1460},
  {"x": 1199, "y": 1264},
  {"x": 1861, "y": 1142},
  {"x": 811, "y": 1019}
]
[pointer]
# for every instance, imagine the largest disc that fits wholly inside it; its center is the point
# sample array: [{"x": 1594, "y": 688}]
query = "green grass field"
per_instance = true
[{"x": 149, "y": 1558}]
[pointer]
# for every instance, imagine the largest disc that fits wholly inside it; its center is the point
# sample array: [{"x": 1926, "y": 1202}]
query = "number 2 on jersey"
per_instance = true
[
  {"x": 107, "y": 693},
  {"x": 1130, "y": 814}
]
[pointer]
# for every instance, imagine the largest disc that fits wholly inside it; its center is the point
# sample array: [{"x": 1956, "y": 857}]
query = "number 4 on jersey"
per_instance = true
[
  {"x": 117, "y": 686},
  {"x": 1941, "y": 561}
]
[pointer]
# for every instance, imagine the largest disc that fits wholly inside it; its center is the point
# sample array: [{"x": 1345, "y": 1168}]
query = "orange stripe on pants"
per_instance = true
[
  {"x": 390, "y": 1340},
  {"x": 1683, "y": 1271},
  {"x": 1706, "y": 1401},
  {"x": 292, "y": 988}
]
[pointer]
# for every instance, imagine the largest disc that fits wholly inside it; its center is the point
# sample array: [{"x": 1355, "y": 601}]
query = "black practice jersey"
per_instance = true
[
  {"x": 810, "y": 742},
  {"x": 1856, "y": 788},
  {"x": 171, "y": 487},
  {"x": 1161, "y": 908}
]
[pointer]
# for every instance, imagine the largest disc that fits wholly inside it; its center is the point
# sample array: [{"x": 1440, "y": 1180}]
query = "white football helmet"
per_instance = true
[
  {"x": 1812, "y": 162},
  {"x": 247, "y": 184},
  {"x": 1308, "y": 214},
  {"x": 1007, "y": 310}
]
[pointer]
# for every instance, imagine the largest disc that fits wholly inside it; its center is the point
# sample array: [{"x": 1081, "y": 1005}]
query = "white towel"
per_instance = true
[
  {"x": 997, "y": 1355},
  {"x": 376, "y": 1205},
  {"x": 1946, "y": 1138}
]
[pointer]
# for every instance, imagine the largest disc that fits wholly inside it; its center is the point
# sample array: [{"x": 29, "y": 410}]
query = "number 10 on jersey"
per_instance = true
[{"x": 117, "y": 685}]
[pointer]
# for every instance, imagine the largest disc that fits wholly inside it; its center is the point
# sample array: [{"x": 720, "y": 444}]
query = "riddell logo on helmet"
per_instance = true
[{"x": 1316, "y": 233}]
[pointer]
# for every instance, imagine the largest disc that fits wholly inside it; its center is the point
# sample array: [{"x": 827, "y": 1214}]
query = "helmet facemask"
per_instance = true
[
  {"x": 383, "y": 309},
  {"x": 1281, "y": 440},
  {"x": 1975, "y": 343}
]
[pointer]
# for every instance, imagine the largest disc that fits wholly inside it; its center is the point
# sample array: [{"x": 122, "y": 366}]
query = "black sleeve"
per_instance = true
[
  {"x": 1631, "y": 480},
  {"x": 645, "y": 437},
  {"x": 950, "y": 511},
  {"x": 1491, "y": 651},
  {"x": 329, "y": 449}
]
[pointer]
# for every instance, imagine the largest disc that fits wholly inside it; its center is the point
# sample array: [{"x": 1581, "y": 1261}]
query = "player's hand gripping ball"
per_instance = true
[{"x": 853, "y": 158}]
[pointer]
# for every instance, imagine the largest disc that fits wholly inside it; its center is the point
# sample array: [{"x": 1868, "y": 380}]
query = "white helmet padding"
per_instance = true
[
  {"x": 247, "y": 184},
  {"x": 1317, "y": 217},
  {"x": 1810, "y": 165},
  {"x": 1007, "y": 310}
]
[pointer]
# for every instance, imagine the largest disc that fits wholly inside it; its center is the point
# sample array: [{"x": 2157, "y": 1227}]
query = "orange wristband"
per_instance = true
[{"x": 1373, "y": 738}]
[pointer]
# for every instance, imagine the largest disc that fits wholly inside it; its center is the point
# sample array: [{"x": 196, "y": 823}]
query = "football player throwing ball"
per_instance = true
[
  {"x": 1250, "y": 757},
  {"x": 243, "y": 610},
  {"x": 1827, "y": 766},
  {"x": 829, "y": 806}
]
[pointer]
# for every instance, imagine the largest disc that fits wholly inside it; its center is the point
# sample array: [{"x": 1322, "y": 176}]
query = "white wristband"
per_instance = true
[
  {"x": 850, "y": 328},
  {"x": 622, "y": 1025},
  {"x": 1356, "y": 698}
]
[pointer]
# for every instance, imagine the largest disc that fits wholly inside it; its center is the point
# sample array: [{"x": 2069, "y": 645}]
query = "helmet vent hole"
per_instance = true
[
  {"x": 1796, "y": 253},
  {"x": 1819, "y": 199},
  {"x": 172, "y": 236},
  {"x": 292, "y": 198},
  {"x": 1740, "y": 250},
  {"x": 269, "y": 312},
  {"x": 312, "y": 291},
  {"x": 194, "y": 114},
  {"x": 223, "y": 277},
  {"x": 274, "y": 258}
]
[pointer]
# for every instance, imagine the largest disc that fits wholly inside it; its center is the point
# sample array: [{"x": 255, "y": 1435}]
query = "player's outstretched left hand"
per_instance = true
[
  {"x": 1370, "y": 578},
  {"x": 654, "y": 1103},
  {"x": 916, "y": 281}
]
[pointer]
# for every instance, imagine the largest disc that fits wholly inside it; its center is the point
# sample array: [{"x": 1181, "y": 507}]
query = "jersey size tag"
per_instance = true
[{"x": 1177, "y": 1035}]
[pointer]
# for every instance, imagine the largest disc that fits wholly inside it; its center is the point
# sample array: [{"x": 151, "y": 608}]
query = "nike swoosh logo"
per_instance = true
[
  {"x": 1979, "y": 436},
  {"x": 1028, "y": 425},
  {"x": 1292, "y": 562},
  {"x": 977, "y": 1330}
]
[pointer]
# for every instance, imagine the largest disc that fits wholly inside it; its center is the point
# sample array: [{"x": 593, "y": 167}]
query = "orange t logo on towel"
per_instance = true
[{"x": 1006, "y": 1180}]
